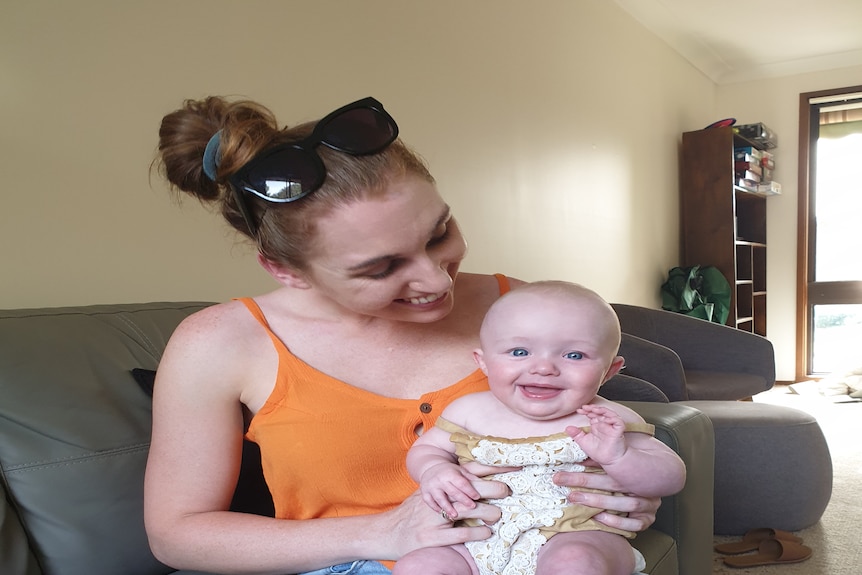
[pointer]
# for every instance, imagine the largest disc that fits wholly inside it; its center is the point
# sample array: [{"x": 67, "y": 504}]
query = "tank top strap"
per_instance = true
[
  {"x": 257, "y": 314},
  {"x": 503, "y": 282}
]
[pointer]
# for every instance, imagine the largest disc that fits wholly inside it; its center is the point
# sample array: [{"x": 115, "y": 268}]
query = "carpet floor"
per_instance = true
[{"x": 836, "y": 540}]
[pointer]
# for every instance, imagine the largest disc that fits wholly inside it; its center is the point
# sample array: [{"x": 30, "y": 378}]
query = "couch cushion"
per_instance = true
[
  {"x": 15, "y": 554},
  {"x": 75, "y": 430}
]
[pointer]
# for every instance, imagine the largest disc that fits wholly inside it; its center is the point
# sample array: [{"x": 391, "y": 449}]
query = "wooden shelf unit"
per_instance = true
[{"x": 723, "y": 225}]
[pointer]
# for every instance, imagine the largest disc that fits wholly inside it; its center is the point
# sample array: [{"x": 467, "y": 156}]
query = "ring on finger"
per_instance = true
[{"x": 445, "y": 516}]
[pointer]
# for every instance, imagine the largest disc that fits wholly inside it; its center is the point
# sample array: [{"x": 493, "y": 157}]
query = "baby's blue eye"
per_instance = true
[
  {"x": 519, "y": 352},
  {"x": 574, "y": 355}
]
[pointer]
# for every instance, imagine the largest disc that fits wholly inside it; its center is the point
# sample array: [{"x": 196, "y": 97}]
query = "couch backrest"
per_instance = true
[{"x": 74, "y": 436}]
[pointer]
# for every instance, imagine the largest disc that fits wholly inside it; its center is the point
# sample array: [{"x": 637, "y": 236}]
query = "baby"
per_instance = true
[{"x": 546, "y": 348}]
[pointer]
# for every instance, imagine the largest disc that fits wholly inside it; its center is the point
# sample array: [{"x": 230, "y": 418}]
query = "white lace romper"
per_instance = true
[{"x": 537, "y": 508}]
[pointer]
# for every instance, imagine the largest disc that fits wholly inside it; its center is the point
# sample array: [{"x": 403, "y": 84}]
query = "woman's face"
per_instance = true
[{"x": 394, "y": 256}]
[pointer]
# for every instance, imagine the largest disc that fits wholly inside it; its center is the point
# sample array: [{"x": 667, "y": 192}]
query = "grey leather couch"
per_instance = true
[
  {"x": 693, "y": 359},
  {"x": 74, "y": 433}
]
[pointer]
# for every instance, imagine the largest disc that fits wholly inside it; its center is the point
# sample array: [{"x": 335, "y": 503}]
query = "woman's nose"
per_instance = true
[{"x": 431, "y": 277}]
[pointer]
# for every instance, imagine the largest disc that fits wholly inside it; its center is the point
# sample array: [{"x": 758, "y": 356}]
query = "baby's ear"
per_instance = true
[
  {"x": 479, "y": 358},
  {"x": 617, "y": 364}
]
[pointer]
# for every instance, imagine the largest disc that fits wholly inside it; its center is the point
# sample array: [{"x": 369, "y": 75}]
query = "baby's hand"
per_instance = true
[
  {"x": 605, "y": 442},
  {"x": 603, "y": 421},
  {"x": 446, "y": 483}
]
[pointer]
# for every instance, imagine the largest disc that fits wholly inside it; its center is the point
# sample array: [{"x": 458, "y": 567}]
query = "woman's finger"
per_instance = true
[
  {"x": 633, "y": 522},
  {"x": 600, "y": 481},
  {"x": 490, "y": 489}
]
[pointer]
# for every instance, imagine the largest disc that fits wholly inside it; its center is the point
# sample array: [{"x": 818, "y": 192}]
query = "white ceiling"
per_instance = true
[{"x": 741, "y": 40}]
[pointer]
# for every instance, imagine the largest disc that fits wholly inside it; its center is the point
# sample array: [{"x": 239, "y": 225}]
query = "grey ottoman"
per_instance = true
[{"x": 772, "y": 466}]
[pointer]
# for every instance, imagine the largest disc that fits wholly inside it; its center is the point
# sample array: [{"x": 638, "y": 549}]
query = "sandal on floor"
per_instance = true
[
  {"x": 771, "y": 552},
  {"x": 752, "y": 539}
]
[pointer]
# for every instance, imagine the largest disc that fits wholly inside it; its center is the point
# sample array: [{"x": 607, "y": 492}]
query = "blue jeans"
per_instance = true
[{"x": 354, "y": 568}]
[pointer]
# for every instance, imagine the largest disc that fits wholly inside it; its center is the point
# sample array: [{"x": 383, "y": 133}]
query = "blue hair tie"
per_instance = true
[{"x": 211, "y": 156}]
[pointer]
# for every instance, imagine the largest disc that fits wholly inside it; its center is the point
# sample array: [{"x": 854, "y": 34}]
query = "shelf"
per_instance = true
[{"x": 723, "y": 224}]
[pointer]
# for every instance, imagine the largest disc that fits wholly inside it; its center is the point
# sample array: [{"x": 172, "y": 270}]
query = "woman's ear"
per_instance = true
[
  {"x": 617, "y": 365},
  {"x": 282, "y": 274}
]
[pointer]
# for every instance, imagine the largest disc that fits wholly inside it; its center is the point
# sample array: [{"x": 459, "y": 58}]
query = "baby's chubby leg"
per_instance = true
[
  {"x": 454, "y": 560},
  {"x": 586, "y": 553}
]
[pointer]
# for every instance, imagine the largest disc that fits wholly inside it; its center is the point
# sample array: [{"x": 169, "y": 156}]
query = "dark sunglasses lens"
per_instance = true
[
  {"x": 360, "y": 131},
  {"x": 285, "y": 175}
]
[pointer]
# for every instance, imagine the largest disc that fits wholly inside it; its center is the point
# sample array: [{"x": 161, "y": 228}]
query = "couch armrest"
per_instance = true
[
  {"x": 656, "y": 364},
  {"x": 704, "y": 348},
  {"x": 688, "y": 515}
]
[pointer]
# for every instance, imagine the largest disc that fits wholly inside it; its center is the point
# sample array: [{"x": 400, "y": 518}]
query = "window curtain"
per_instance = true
[{"x": 839, "y": 123}]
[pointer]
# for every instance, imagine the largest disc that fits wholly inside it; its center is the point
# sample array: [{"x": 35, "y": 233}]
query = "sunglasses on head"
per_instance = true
[{"x": 289, "y": 172}]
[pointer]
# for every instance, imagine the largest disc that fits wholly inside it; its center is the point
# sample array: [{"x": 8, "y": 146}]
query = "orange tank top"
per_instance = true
[{"x": 329, "y": 449}]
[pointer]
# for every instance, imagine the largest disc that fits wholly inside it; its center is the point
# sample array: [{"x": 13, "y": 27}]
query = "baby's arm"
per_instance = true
[
  {"x": 432, "y": 463},
  {"x": 640, "y": 463}
]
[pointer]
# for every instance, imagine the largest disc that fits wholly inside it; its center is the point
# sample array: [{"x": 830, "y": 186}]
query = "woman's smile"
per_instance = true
[{"x": 426, "y": 299}]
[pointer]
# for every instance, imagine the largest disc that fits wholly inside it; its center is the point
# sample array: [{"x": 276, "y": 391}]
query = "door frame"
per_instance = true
[{"x": 805, "y": 225}]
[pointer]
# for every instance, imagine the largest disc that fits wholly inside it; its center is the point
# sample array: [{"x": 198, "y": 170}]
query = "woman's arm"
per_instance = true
[
  {"x": 631, "y": 509},
  {"x": 639, "y": 462}
]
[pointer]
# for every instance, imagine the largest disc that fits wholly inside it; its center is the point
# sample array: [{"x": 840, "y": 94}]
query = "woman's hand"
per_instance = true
[
  {"x": 636, "y": 512},
  {"x": 413, "y": 525}
]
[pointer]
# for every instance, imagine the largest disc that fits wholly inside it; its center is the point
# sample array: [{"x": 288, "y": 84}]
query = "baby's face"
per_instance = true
[{"x": 546, "y": 355}]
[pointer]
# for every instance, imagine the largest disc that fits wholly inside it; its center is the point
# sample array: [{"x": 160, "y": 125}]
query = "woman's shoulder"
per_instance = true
[
  {"x": 214, "y": 349},
  {"x": 212, "y": 320},
  {"x": 217, "y": 329},
  {"x": 486, "y": 285}
]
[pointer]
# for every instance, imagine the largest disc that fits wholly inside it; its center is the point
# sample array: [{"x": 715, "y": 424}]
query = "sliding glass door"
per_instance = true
[{"x": 830, "y": 302}]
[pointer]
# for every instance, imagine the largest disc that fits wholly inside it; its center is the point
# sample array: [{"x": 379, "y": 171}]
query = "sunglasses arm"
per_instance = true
[{"x": 245, "y": 211}]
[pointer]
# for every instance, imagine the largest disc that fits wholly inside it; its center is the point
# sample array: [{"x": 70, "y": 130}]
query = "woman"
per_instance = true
[{"x": 336, "y": 372}]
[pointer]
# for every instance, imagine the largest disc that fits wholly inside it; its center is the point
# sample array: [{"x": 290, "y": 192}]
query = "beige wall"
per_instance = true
[
  {"x": 775, "y": 102},
  {"x": 551, "y": 126}
]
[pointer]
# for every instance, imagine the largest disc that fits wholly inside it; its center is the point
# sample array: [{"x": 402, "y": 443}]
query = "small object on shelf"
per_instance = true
[
  {"x": 749, "y": 176},
  {"x": 759, "y": 134},
  {"x": 747, "y": 154},
  {"x": 769, "y": 188},
  {"x": 722, "y": 123},
  {"x": 747, "y": 184},
  {"x": 750, "y": 166}
]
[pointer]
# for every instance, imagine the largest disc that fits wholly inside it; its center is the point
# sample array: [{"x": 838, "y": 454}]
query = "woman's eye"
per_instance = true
[
  {"x": 441, "y": 236},
  {"x": 519, "y": 352},
  {"x": 574, "y": 355},
  {"x": 383, "y": 272}
]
